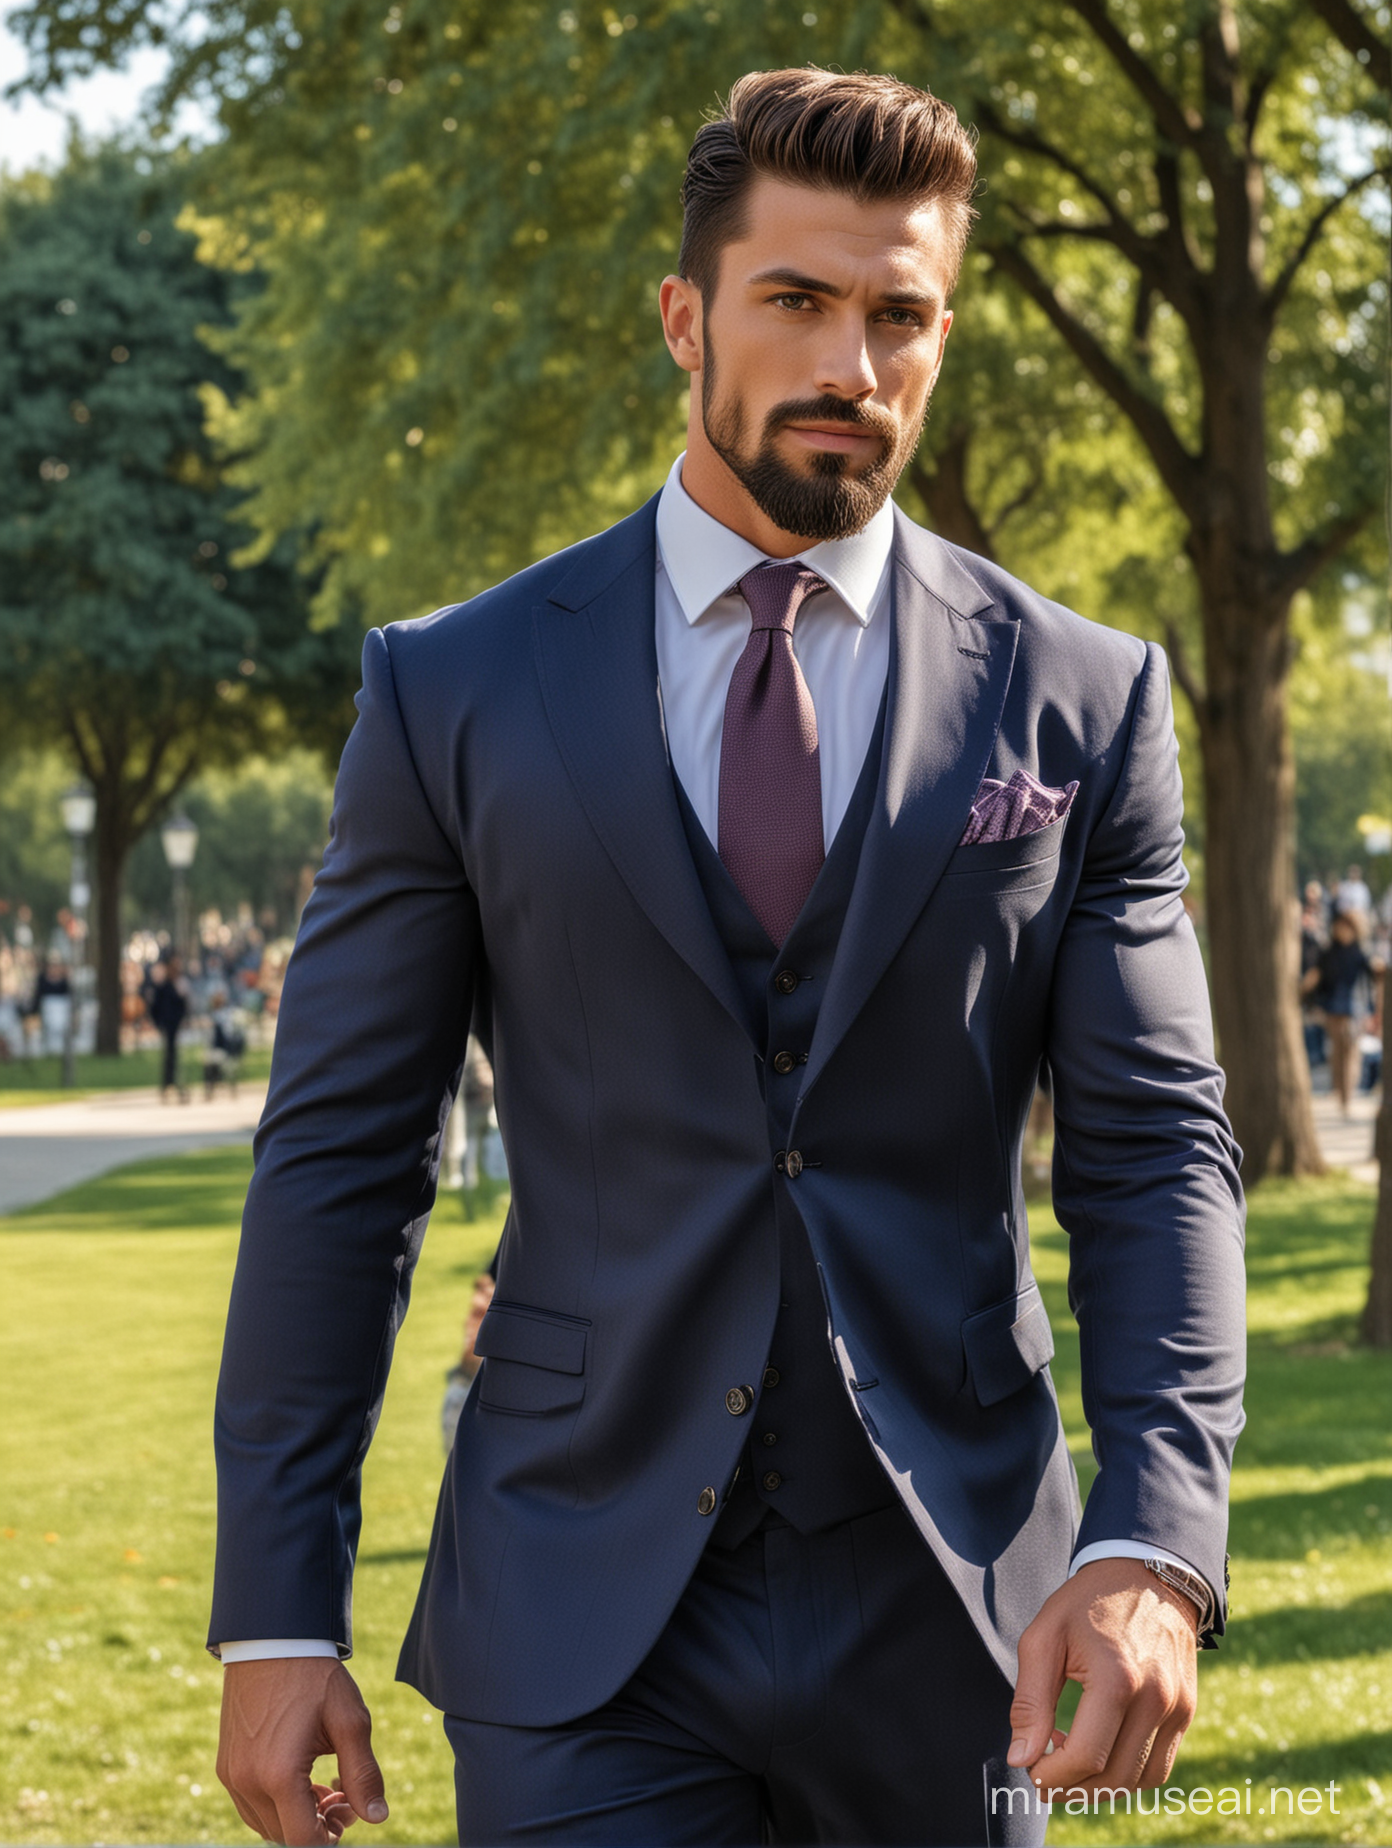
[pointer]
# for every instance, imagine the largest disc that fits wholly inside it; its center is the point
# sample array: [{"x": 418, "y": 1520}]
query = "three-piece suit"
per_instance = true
[{"x": 737, "y": 1173}]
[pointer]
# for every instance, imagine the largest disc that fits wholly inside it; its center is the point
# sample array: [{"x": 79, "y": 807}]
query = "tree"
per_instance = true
[
  {"x": 456, "y": 366},
  {"x": 131, "y": 634},
  {"x": 260, "y": 826}
]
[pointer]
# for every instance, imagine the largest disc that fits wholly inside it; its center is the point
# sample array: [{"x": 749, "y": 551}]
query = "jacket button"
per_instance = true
[
  {"x": 771, "y": 1376},
  {"x": 792, "y": 1163},
  {"x": 786, "y": 981},
  {"x": 771, "y": 1480},
  {"x": 738, "y": 1400},
  {"x": 705, "y": 1502},
  {"x": 783, "y": 1063}
]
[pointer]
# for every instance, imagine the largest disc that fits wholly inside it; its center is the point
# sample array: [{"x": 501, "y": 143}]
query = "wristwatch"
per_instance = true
[{"x": 1196, "y": 1589}]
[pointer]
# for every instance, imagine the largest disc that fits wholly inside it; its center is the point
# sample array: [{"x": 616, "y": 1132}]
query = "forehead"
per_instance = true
[{"x": 892, "y": 244}]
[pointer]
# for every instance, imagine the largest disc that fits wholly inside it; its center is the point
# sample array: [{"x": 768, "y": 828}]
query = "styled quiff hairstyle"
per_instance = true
[{"x": 870, "y": 136}]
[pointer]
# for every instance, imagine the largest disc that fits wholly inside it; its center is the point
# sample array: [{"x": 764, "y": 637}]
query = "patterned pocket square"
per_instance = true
[{"x": 1006, "y": 811}]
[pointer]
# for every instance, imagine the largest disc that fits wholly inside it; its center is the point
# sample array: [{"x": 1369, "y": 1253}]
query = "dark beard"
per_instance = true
[{"x": 831, "y": 502}]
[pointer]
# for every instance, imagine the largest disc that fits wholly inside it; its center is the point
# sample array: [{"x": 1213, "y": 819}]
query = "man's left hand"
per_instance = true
[{"x": 1131, "y": 1644}]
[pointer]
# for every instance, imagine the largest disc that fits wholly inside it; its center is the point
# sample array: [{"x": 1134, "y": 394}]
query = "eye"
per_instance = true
[
  {"x": 902, "y": 317},
  {"x": 795, "y": 300}
]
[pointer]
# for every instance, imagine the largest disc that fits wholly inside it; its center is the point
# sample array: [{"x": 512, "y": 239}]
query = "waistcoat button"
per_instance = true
[
  {"x": 771, "y": 1376},
  {"x": 772, "y": 1480}
]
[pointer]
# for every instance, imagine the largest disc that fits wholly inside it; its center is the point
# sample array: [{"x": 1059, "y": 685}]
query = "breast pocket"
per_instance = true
[
  {"x": 533, "y": 1359},
  {"x": 1004, "y": 866}
]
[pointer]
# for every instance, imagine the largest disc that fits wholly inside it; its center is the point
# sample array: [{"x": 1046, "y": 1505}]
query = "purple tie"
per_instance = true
[{"x": 770, "y": 822}]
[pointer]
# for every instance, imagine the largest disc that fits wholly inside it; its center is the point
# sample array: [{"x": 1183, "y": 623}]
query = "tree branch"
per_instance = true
[
  {"x": 1280, "y": 288},
  {"x": 1122, "y": 232},
  {"x": 1175, "y": 122},
  {"x": 1183, "y": 671},
  {"x": 1356, "y": 35},
  {"x": 1178, "y": 469},
  {"x": 1297, "y": 568}
]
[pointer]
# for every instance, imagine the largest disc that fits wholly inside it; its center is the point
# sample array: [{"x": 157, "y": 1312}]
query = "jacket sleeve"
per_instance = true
[
  {"x": 1145, "y": 1171},
  {"x": 371, "y": 1035}
]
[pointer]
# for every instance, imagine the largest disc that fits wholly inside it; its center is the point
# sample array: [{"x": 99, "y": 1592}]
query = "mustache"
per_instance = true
[{"x": 832, "y": 410}]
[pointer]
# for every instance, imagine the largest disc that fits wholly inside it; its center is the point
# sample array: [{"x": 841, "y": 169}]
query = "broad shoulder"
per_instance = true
[
  {"x": 970, "y": 585},
  {"x": 500, "y": 616}
]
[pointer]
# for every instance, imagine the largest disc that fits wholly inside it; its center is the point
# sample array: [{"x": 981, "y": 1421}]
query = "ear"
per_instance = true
[
  {"x": 680, "y": 302},
  {"x": 944, "y": 330}
]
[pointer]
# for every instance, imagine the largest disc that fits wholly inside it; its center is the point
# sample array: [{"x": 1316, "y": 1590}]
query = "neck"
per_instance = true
[{"x": 718, "y": 491}]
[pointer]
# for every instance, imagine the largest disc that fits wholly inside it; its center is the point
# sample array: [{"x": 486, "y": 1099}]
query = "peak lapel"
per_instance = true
[
  {"x": 597, "y": 663},
  {"x": 950, "y": 662}
]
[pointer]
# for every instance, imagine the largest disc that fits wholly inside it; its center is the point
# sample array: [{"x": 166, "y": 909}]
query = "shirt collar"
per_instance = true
[{"x": 703, "y": 558}]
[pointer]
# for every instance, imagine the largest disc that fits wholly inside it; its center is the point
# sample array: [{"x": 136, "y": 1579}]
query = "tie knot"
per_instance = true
[{"x": 775, "y": 593}]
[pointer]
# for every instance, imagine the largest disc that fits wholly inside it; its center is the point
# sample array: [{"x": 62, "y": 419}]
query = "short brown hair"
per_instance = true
[{"x": 867, "y": 135}]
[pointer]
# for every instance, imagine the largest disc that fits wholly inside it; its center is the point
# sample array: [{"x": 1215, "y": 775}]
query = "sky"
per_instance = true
[{"x": 34, "y": 133}]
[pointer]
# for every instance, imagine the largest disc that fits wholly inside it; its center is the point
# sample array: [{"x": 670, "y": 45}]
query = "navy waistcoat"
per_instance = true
[{"x": 807, "y": 1458}]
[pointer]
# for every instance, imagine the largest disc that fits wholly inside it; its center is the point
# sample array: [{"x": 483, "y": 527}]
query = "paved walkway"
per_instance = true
[
  {"x": 45, "y": 1148},
  {"x": 1347, "y": 1141},
  {"x": 48, "y": 1147}
]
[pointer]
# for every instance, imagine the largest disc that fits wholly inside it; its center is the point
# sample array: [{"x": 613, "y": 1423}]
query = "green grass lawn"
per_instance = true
[
  {"x": 111, "y": 1302},
  {"x": 40, "y": 1080}
]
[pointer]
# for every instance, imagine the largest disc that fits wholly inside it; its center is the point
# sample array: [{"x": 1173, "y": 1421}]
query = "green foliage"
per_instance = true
[
  {"x": 1341, "y": 728},
  {"x": 35, "y": 859},
  {"x": 261, "y": 827},
  {"x": 130, "y": 634},
  {"x": 462, "y": 214}
]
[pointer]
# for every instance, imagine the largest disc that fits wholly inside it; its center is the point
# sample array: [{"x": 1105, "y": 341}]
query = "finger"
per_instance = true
[
  {"x": 298, "y": 1824},
  {"x": 248, "y": 1814},
  {"x": 349, "y": 1731},
  {"x": 1129, "y": 1756},
  {"x": 1036, "y": 1695},
  {"x": 1088, "y": 1747},
  {"x": 1162, "y": 1753},
  {"x": 335, "y": 1811}
]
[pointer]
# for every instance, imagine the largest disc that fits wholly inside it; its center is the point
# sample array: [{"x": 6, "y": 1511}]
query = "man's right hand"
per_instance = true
[{"x": 278, "y": 1716}]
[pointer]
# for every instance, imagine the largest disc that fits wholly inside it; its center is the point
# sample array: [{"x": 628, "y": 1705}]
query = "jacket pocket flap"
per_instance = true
[
  {"x": 1007, "y": 1344},
  {"x": 532, "y": 1336}
]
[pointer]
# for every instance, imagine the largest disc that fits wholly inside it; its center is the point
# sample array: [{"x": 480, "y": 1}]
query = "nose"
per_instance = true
[{"x": 844, "y": 368}]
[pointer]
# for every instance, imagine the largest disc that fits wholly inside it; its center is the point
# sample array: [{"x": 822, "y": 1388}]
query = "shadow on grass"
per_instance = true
[
  {"x": 1339, "y": 1761},
  {"x": 1312, "y": 1632},
  {"x": 203, "y": 1191},
  {"x": 410, "y": 1556},
  {"x": 1288, "y": 1526}
]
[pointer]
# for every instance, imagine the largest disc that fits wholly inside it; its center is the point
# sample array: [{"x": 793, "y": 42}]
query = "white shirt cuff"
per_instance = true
[
  {"x": 275, "y": 1648},
  {"x": 1131, "y": 1549}
]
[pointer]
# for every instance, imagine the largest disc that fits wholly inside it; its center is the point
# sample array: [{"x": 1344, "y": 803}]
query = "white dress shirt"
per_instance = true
[{"x": 841, "y": 640}]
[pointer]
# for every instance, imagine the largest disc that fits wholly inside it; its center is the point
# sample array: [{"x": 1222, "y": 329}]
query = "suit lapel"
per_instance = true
[
  {"x": 951, "y": 656},
  {"x": 597, "y": 662}
]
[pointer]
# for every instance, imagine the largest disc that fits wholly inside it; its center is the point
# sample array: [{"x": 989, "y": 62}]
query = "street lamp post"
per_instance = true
[
  {"x": 179, "y": 838},
  {"x": 78, "y": 807}
]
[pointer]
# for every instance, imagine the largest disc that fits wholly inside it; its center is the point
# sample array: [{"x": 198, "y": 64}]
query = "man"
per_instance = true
[{"x": 779, "y": 843}]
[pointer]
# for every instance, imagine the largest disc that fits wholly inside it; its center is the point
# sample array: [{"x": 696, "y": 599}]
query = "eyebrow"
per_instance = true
[{"x": 814, "y": 285}]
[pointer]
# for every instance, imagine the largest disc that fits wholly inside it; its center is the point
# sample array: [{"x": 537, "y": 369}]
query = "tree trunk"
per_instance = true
[
  {"x": 947, "y": 501},
  {"x": 111, "y": 844},
  {"x": 1249, "y": 792},
  {"x": 1376, "y": 1325}
]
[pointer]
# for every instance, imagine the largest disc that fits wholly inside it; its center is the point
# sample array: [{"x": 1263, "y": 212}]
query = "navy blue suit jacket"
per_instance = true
[{"x": 506, "y": 816}]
